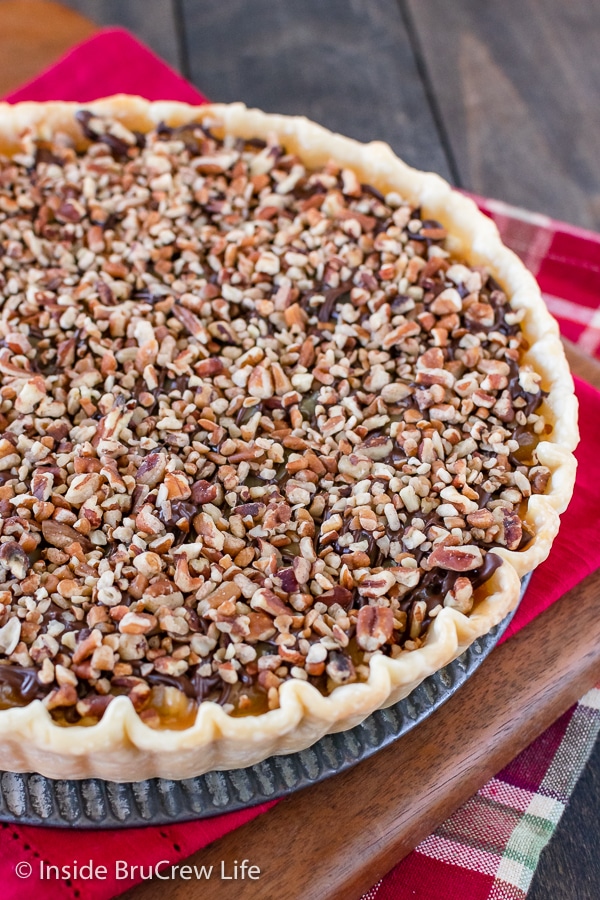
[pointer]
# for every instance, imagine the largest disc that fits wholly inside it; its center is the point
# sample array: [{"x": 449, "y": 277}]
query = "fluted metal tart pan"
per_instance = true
[{"x": 31, "y": 799}]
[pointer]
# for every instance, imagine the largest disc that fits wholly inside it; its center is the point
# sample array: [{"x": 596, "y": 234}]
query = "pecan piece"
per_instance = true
[
  {"x": 251, "y": 510},
  {"x": 60, "y": 535},
  {"x": 480, "y": 314},
  {"x": 378, "y": 584},
  {"x": 177, "y": 486},
  {"x": 86, "y": 646},
  {"x": 182, "y": 577},
  {"x": 148, "y": 563},
  {"x": 457, "y": 559},
  {"x": 338, "y": 594},
  {"x": 302, "y": 569},
  {"x": 82, "y": 487},
  {"x": 513, "y": 529},
  {"x": 266, "y": 600},
  {"x": 287, "y": 580},
  {"x": 137, "y": 623},
  {"x": 206, "y": 368},
  {"x": 374, "y": 626},
  {"x": 152, "y": 469},
  {"x": 10, "y": 634},
  {"x": 63, "y": 696},
  {"x": 416, "y": 618},
  {"x": 94, "y": 705},
  {"x": 460, "y": 597},
  {"x": 261, "y": 627},
  {"x": 191, "y": 322},
  {"x": 132, "y": 646},
  {"x": 15, "y": 559},
  {"x": 147, "y": 522},
  {"x": 226, "y": 591},
  {"x": 448, "y": 301},
  {"x": 41, "y": 485},
  {"x": 260, "y": 383},
  {"x": 293, "y": 657},
  {"x": 355, "y": 466},
  {"x": 539, "y": 477},
  {"x": 481, "y": 518},
  {"x": 340, "y": 668},
  {"x": 204, "y": 492},
  {"x": 208, "y": 532}
]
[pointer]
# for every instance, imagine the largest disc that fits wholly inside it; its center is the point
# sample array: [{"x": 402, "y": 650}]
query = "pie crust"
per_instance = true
[{"x": 121, "y": 747}]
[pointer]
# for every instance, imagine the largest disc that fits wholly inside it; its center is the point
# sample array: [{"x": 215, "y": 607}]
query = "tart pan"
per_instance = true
[{"x": 30, "y": 799}]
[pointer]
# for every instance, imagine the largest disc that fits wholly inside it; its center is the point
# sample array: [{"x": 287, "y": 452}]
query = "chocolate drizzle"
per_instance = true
[
  {"x": 119, "y": 148},
  {"x": 23, "y": 683},
  {"x": 532, "y": 401},
  {"x": 181, "y": 682}
]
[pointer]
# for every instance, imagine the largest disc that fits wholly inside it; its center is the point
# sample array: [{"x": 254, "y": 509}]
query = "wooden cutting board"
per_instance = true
[
  {"x": 335, "y": 840},
  {"x": 33, "y": 34}
]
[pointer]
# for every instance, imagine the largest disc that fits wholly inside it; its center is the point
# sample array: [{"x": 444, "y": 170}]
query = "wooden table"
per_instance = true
[{"x": 500, "y": 97}]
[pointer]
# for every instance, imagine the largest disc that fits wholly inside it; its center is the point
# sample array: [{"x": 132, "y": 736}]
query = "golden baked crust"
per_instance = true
[{"x": 121, "y": 747}]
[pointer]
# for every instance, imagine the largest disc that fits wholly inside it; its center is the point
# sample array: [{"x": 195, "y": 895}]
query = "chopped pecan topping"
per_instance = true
[{"x": 257, "y": 424}]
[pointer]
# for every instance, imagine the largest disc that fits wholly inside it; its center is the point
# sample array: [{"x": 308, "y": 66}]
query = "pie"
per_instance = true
[{"x": 282, "y": 426}]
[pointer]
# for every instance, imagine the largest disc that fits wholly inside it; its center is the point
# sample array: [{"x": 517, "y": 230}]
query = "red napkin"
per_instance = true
[
  {"x": 110, "y": 62},
  {"x": 114, "y": 62},
  {"x": 576, "y": 551}
]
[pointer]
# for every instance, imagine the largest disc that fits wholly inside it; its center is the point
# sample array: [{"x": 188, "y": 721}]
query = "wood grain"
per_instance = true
[
  {"x": 353, "y": 828},
  {"x": 348, "y": 65},
  {"x": 152, "y": 21},
  {"x": 33, "y": 34},
  {"x": 517, "y": 84}
]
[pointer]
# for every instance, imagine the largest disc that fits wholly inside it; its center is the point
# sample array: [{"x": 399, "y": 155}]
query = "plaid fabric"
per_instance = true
[
  {"x": 490, "y": 847},
  {"x": 566, "y": 262}
]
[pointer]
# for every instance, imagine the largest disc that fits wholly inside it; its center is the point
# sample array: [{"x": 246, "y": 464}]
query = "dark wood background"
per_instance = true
[{"x": 501, "y": 97}]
